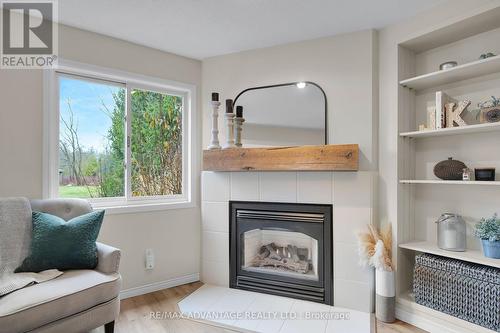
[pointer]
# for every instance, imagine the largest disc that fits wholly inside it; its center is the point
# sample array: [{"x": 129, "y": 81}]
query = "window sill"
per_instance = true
[{"x": 127, "y": 208}]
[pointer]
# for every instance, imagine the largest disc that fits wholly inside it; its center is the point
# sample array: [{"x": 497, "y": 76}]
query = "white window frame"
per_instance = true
[{"x": 129, "y": 81}]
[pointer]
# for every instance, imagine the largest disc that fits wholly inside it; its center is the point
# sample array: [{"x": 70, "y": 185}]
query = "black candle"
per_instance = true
[
  {"x": 229, "y": 106},
  {"x": 239, "y": 111},
  {"x": 215, "y": 97}
]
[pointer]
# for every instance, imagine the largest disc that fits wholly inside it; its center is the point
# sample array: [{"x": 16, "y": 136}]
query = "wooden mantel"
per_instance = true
[{"x": 300, "y": 158}]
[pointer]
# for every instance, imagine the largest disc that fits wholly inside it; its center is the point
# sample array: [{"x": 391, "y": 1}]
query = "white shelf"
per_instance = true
[
  {"x": 416, "y": 314},
  {"x": 480, "y": 128},
  {"x": 462, "y": 72},
  {"x": 475, "y": 256},
  {"x": 482, "y": 20},
  {"x": 449, "y": 182}
]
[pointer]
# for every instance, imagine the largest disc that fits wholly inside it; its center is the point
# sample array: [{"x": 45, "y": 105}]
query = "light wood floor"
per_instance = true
[{"x": 135, "y": 315}]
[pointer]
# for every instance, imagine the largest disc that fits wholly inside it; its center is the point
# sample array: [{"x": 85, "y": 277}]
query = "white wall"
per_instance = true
[{"x": 21, "y": 150}]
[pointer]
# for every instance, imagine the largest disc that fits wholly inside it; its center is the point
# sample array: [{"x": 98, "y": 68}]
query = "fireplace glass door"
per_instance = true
[{"x": 280, "y": 252}]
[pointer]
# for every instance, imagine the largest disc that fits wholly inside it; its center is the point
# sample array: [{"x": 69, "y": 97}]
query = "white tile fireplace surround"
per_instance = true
[{"x": 352, "y": 197}]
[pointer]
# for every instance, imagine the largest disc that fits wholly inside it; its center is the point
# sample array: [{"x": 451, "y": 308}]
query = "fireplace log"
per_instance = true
[
  {"x": 273, "y": 251},
  {"x": 288, "y": 257},
  {"x": 299, "y": 267},
  {"x": 263, "y": 252}
]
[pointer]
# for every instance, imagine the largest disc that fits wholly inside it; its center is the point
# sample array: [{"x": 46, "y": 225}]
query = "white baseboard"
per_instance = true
[
  {"x": 422, "y": 322},
  {"x": 437, "y": 323},
  {"x": 152, "y": 287}
]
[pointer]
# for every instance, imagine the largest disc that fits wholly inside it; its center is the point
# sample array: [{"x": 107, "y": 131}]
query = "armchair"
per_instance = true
[{"x": 78, "y": 300}]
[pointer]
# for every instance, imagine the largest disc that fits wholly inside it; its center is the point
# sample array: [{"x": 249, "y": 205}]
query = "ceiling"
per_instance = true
[{"x": 205, "y": 28}]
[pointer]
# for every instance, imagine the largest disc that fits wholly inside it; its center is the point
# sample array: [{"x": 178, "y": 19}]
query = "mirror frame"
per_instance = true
[{"x": 292, "y": 84}]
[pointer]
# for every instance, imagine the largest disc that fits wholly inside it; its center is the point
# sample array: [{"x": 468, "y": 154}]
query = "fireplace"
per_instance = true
[{"x": 282, "y": 249}]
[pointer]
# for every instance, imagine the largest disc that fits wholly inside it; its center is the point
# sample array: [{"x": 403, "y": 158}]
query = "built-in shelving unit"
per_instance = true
[
  {"x": 459, "y": 73},
  {"x": 471, "y": 129},
  {"x": 449, "y": 182},
  {"x": 475, "y": 256},
  {"x": 421, "y": 197}
]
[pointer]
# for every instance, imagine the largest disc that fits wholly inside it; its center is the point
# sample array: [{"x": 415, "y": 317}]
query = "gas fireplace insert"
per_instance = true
[{"x": 282, "y": 249}]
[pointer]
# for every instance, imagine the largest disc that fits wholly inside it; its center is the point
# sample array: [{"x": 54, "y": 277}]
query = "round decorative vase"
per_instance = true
[
  {"x": 490, "y": 115},
  {"x": 385, "y": 302},
  {"x": 450, "y": 169},
  {"x": 491, "y": 249}
]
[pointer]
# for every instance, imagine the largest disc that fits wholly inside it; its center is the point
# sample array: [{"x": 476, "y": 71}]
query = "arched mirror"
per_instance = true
[{"x": 288, "y": 114}]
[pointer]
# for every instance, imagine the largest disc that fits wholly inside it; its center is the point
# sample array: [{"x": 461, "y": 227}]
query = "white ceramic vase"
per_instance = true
[{"x": 385, "y": 301}]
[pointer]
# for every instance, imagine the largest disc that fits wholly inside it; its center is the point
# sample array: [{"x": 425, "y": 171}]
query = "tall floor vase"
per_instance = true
[{"x": 385, "y": 301}]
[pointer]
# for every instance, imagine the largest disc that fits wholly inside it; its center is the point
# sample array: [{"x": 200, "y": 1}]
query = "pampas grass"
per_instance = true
[
  {"x": 366, "y": 245},
  {"x": 375, "y": 248}
]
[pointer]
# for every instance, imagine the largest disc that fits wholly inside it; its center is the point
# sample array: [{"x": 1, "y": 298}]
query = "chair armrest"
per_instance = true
[{"x": 108, "y": 258}]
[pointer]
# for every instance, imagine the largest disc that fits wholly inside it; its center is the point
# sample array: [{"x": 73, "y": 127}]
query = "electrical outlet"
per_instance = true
[{"x": 150, "y": 259}]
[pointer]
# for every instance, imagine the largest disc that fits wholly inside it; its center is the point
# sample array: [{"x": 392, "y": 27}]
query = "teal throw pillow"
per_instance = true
[{"x": 57, "y": 244}]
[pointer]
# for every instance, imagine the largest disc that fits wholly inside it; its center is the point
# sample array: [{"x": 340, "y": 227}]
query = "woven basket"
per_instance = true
[
  {"x": 450, "y": 169},
  {"x": 464, "y": 290}
]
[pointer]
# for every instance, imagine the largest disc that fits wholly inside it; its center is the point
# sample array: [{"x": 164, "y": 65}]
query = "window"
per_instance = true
[
  {"x": 91, "y": 138},
  {"x": 156, "y": 144},
  {"x": 118, "y": 140}
]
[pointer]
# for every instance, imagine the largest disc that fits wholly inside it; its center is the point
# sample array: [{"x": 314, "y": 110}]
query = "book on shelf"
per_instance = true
[
  {"x": 441, "y": 100},
  {"x": 431, "y": 117}
]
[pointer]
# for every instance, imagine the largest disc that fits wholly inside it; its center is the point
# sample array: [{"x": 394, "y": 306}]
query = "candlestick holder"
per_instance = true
[
  {"x": 229, "y": 117},
  {"x": 237, "y": 131},
  {"x": 214, "y": 141}
]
